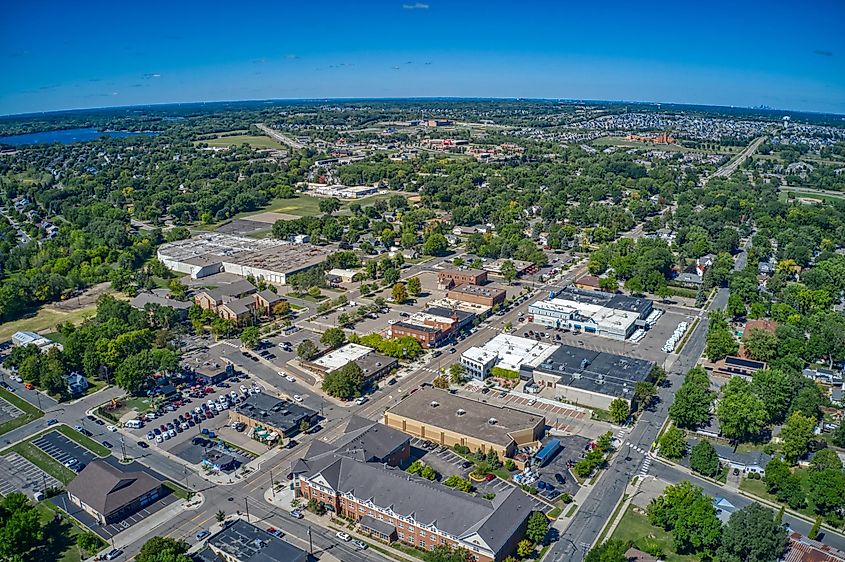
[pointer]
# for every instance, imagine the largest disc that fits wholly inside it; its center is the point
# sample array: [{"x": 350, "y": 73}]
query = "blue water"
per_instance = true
[{"x": 67, "y": 136}]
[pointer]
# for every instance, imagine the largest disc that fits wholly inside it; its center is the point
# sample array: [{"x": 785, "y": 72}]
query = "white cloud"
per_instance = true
[{"x": 417, "y": 6}]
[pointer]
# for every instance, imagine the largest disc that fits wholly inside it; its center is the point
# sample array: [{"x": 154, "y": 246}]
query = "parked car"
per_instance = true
[
  {"x": 343, "y": 536},
  {"x": 107, "y": 445},
  {"x": 113, "y": 554},
  {"x": 359, "y": 545},
  {"x": 297, "y": 397},
  {"x": 296, "y": 514},
  {"x": 202, "y": 534}
]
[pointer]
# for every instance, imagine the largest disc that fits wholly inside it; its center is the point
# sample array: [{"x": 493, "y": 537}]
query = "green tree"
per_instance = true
[
  {"x": 329, "y": 206},
  {"x": 435, "y": 244},
  {"x": 673, "y": 443},
  {"x": 250, "y": 336},
  {"x": 775, "y": 388},
  {"x": 508, "y": 271},
  {"x": 761, "y": 345},
  {"x": 399, "y": 293},
  {"x": 414, "y": 286},
  {"x": 814, "y": 530},
  {"x": 89, "y": 542},
  {"x": 736, "y": 308},
  {"x": 752, "y": 535},
  {"x": 693, "y": 400},
  {"x": 644, "y": 392},
  {"x": 538, "y": 526},
  {"x": 826, "y": 490},
  {"x": 796, "y": 434},
  {"x": 619, "y": 410},
  {"x": 704, "y": 460},
  {"x": 838, "y": 438},
  {"x": 220, "y": 515},
  {"x": 20, "y": 527},
  {"x": 826, "y": 459},
  {"x": 663, "y": 292},
  {"x": 344, "y": 383},
  {"x": 163, "y": 549},
  {"x": 444, "y": 553},
  {"x": 456, "y": 373},
  {"x": 440, "y": 382},
  {"x": 609, "y": 551},
  {"x": 720, "y": 342},
  {"x": 333, "y": 337},
  {"x": 307, "y": 350},
  {"x": 524, "y": 548},
  {"x": 742, "y": 415},
  {"x": 689, "y": 515}
]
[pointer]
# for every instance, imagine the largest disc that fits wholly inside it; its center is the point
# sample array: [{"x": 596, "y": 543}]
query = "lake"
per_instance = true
[{"x": 67, "y": 136}]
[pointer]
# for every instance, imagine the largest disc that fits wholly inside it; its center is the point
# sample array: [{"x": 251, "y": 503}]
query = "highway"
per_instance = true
[
  {"x": 731, "y": 166},
  {"x": 284, "y": 139}
]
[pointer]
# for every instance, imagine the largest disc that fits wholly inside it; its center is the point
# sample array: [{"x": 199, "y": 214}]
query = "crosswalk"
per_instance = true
[
  {"x": 636, "y": 448},
  {"x": 646, "y": 465}
]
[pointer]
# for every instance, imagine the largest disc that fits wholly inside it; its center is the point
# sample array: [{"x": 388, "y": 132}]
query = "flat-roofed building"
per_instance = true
[
  {"x": 373, "y": 365},
  {"x": 591, "y": 378},
  {"x": 444, "y": 418},
  {"x": 592, "y": 312},
  {"x": 267, "y": 413},
  {"x": 505, "y": 352},
  {"x": 428, "y": 336},
  {"x": 241, "y": 541},
  {"x": 265, "y": 258},
  {"x": 451, "y": 277},
  {"x": 487, "y": 296}
]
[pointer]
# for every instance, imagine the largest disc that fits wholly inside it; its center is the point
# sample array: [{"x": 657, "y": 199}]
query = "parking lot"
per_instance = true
[
  {"x": 8, "y": 411},
  {"x": 192, "y": 450},
  {"x": 65, "y": 451},
  {"x": 17, "y": 474},
  {"x": 572, "y": 448}
]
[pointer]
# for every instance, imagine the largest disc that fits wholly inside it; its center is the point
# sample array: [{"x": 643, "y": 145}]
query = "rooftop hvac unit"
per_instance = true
[
  {"x": 461, "y": 411},
  {"x": 434, "y": 403}
]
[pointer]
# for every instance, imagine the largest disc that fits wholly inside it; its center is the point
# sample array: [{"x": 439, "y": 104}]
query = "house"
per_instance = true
[
  {"x": 801, "y": 549},
  {"x": 239, "y": 311},
  {"x": 110, "y": 493},
  {"x": 732, "y": 366},
  {"x": 373, "y": 365},
  {"x": 210, "y": 299},
  {"x": 76, "y": 384},
  {"x": 724, "y": 508},
  {"x": 754, "y": 461},
  {"x": 266, "y": 414},
  {"x": 590, "y": 282},
  {"x": 827, "y": 377},
  {"x": 219, "y": 461}
]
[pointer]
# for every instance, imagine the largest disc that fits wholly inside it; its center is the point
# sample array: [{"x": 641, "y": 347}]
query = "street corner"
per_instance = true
[{"x": 195, "y": 503}]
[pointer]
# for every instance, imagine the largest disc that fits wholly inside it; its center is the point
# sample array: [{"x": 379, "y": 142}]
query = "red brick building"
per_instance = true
[{"x": 452, "y": 277}]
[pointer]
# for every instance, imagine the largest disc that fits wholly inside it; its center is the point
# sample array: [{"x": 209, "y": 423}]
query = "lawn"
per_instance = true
[
  {"x": 636, "y": 529},
  {"x": 307, "y": 205},
  {"x": 30, "y": 412},
  {"x": 255, "y": 141},
  {"x": 757, "y": 488},
  {"x": 178, "y": 490},
  {"x": 83, "y": 440},
  {"x": 60, "y": 535},
  {"x": 47, "y": 318},
  {"x": 809, "y": 194},
  {"x": 41, "y": 459}
]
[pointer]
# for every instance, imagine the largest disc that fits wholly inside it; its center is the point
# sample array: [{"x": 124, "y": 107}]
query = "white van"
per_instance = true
[{"x": 133, "y": 424}]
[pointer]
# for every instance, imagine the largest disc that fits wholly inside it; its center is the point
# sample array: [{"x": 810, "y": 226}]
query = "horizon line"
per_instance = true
[{"x": 411, "y": 98}]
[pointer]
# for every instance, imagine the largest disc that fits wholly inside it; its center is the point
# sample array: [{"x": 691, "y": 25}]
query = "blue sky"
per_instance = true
[{"x": 62, "y": 55}]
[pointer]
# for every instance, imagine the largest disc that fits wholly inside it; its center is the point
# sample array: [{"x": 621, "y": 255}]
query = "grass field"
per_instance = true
[
  {"x": 41, "y": 459},
  {"x": 255, "y": 141},
  {"x": 83, "y": 440},
  {"x": 47, "y": 318},
  {"x": 809, "y": 194},
  {"x": 636, "y": 529},
  {"x": 625, "y": 143},
  {"x": 30, "y": 412},
  {"x": 307, "y": 205}
]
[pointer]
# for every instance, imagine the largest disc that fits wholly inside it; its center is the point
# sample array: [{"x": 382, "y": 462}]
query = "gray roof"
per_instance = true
[
  {"x": 462, "y": 315},
  {"x": 280, "y": 414},
  {"x": 241, "y": 305},
  {"x": 371, "y": 523},
  {"x": 374, "y": 362},
  {"x": 439, "y": 408},
  {"x": 429, "y": 503},
  {"x": 617, "y": 302},
  {"x": 247, "y": 543},
  {"x": 143, "y": 299},
  {"x": 236, "y": 289},
  {"x": 270, "y": 296},
  {"x": 107, "y": 488},
  {"x": 596, "y": 371},
  {"x": 369, "y": 441},
  {"x": 753, "y": 458},
  {"x": 417, "y": 327}
]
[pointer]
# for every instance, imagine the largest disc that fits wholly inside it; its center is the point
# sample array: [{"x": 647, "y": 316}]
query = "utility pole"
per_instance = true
[
  {"x": 246, "y": 503},
  {"x": 272, "y": 487},
  {"x": 310, "y": 543},
  {"x": 123, "y": 448}
]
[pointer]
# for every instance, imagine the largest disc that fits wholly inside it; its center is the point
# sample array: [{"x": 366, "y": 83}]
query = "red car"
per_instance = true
[
  {"x": 271, "y": 529},
  {"x": 489, "y": 477},
  {"x": 209, "y": 390}
]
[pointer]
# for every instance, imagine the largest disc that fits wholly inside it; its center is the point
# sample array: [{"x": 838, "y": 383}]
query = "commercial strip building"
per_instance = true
[
  {"x": 373, "y": 365},
  {"x": 265, "y": 415},
  {"x": 505, "y": 352},
  {"x": 266, "y": 258},
  {"x": 590, "y": 378},
  {"x": 593, "y": 312},
  {"x": 433, "y": 326},
  {"x": 240, "y": 541},
  {"x": 451, "y": 277},
  {"x": 110, "y": 494},
  {"x": 357, "y": 477},
  {"x": 444, "y": 418},
  {"x": 487, "y": 296}
]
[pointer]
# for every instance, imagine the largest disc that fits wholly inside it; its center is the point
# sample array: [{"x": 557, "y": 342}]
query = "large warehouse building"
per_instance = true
[
  {"x": 593, "y": 312},
  {"x": 265, "y": 258}
]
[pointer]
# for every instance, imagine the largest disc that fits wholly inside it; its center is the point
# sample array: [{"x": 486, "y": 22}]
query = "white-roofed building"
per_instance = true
[
  {"x": 585, "y": 316},
  {"x": 506, "y": 352},
  {"x": 341, "y": 356}
]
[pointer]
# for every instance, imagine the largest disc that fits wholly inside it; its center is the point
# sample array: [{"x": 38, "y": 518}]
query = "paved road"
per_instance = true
[
  {"x": 284, "y": 139},
  {"x": 730, "y": 167},
  {"x": 672, "y": 474}
]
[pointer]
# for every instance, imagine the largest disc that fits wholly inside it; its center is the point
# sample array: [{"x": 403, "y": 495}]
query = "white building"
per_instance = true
[
  {"x": 584, "y": 316},
  {"x": 20, "y": 339},
  {"x": 339, "y": 357},
  {"x": 506, "y": 352}
]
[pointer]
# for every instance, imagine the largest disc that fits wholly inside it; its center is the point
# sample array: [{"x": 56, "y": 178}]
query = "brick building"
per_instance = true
[
  {"x": 487, "y": 296},
  {"x": 451, "y": 277}
]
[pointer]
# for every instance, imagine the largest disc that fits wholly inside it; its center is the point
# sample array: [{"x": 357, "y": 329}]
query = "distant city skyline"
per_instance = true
[{"x": 55, "y": 55}]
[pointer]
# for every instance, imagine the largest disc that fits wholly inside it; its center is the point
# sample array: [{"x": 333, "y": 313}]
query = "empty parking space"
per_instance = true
[
  {"x": 8, "y": 411},
  {"x": 17, "y": 474},
  {"x": 64, "y": 450},
  {"x": 108, "y": 531}
]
